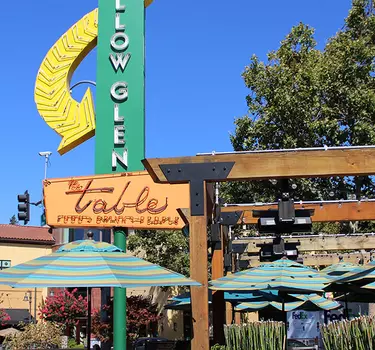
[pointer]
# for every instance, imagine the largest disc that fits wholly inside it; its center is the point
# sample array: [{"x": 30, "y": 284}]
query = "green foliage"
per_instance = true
[
  {"x": 263, "y": 335},
  {"x": 169, "y": 249},
  {"x": 358, "y": 334},
  {"x": 218, "y": 347},
  {"x": 304, "y": 97},
  {"x": 73, "y": 345},
  {"x": 41, "y": 335}
]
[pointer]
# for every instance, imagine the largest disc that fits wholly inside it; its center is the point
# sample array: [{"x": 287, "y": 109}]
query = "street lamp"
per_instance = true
[{"x": 28, "y": 297}]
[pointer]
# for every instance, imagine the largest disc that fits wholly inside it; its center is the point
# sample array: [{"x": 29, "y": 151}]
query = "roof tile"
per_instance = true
[{"x": 30, "y": 234}]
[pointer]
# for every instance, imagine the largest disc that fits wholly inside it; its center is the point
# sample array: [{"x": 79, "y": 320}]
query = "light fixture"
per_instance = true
[
  {"x": 51, "y": 293},
  {"x": 27, "y": 296}
]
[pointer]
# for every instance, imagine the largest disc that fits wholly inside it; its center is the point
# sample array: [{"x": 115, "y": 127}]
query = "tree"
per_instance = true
[
  {"x": 41, "y": 335},
  {"x": 169, "y": 249},
  {"x": 13, "y": 220},
  {"x": 64, "y": 308},
  {"x": 141, "y": 313},
  {"x": 303, "y": 97}
]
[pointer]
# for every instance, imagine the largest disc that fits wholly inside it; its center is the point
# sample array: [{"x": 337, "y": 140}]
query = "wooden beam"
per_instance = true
[
  {"x": 315, "y": 243},
  {"x": 323, "y": 212},
  {"x": 281, "y": 164},
  {"x": 319, "y": 259}
]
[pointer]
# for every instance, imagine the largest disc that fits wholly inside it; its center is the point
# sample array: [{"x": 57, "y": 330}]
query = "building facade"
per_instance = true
[{"x": 19, "y": 244}]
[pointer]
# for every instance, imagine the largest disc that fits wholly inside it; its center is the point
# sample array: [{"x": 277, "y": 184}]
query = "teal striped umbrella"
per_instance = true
[
  {"x": 305, "y": 302},
  {"x": 90, "y": 264},
  {"x": 283, "y": 275},
  {"x": 341, "y": 268}
]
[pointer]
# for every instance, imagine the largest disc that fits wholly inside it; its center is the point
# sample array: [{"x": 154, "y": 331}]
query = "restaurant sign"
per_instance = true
[{"x": 130, "y": 200}]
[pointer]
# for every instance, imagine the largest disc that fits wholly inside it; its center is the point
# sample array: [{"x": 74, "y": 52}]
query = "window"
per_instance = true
[{"x": 80, "y": 234}]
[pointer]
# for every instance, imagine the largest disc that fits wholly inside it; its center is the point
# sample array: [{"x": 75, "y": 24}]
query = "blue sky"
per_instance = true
[{"x": 195, "y": 53}]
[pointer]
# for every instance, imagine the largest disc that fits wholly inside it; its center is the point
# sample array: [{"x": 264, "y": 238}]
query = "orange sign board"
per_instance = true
[{"x": 130, "y": 200}]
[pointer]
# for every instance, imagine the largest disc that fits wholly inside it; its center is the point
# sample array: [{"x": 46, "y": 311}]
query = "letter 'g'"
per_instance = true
[{"x": 119, "y": 91}]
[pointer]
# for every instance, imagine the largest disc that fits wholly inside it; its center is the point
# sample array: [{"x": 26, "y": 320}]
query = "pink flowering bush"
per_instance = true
[
  {"x": 140, "y": 313},
  {"x": 64, "y": 308},
  {"x": 4, "y": 317}
]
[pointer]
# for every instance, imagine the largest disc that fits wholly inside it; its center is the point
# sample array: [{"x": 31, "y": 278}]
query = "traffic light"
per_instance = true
[{"x": 24, "y": 207}]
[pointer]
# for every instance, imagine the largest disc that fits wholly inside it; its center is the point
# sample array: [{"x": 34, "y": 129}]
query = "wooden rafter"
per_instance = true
[
  {"x": 315, "y": 243},
  {"x": 281, "y": 164},
  {"x": 319, "y": 259},
  {"x": 323, "y": 212}
]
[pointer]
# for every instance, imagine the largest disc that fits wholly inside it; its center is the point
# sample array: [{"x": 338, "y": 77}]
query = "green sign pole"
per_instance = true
[{"x": 120, "y": 109}]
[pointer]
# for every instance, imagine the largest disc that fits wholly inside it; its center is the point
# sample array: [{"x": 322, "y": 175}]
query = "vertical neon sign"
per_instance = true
[
  {"x": 120, "y": 109},
  {"x": 120, "y": 105}
]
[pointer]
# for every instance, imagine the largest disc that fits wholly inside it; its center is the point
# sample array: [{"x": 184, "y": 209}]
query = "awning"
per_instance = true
[
  {"x": 17, "y": 316},
  {"x": 8, "y": 331}
]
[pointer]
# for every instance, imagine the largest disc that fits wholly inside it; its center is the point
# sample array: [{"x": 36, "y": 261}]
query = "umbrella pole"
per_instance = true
[
  {"x": 233, "y": 314},
  {"x": 346, "y": 306},
  {"x": 88, "y": 329}
]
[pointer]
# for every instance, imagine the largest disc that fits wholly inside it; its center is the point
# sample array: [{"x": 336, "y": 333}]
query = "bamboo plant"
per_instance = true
[
  {"x": 263, "y": 335},
  {"x": 357, "y": 334}
]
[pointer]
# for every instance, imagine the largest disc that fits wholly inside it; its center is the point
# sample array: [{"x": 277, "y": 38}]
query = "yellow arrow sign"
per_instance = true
[{"x": 74, "y": 121}]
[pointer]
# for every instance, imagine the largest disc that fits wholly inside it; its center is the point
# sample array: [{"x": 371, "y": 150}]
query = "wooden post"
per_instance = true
[
  {"x": 237, "y": 317},
  {"x": 229, "y": 312},
  {"x": 218, "y": 302},
  {"x": 198, "y": 272}
]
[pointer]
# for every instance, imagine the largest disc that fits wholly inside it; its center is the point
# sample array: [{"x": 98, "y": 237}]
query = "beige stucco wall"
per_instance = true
[
  {"x": 171, "y": 325},
  {"x": 17, "y": 254}
]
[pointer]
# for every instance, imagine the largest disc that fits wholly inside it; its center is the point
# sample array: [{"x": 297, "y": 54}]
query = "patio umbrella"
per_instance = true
[
  {"x": 310, "y": 302},
  {"x": 348, "y": 279},
  {"x": 8, "y": 331},
  {"x": 88, "y": 263},
  {"x": 336, "y": 271},
  {"x": 284, "y": 275},
  {"x": 360, "y": 276},
  {"x": 183, "y": 301},
  {"x": 341, "y": 268}
]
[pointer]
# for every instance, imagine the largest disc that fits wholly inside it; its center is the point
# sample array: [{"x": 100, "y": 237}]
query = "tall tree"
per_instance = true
[
  {"x": 13, "y": 220},
  {"x": 304, "y": 97}
]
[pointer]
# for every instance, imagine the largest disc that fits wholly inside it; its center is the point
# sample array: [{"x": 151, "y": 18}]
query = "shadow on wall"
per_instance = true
[{"x": 172, "y": 324}]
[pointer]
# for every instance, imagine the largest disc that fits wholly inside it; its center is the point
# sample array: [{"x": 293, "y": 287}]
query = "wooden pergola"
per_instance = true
[{"x": 246, "y": 166}]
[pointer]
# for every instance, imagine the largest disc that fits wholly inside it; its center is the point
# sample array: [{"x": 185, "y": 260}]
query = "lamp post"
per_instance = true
[{"x": 28, "y": 297}]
